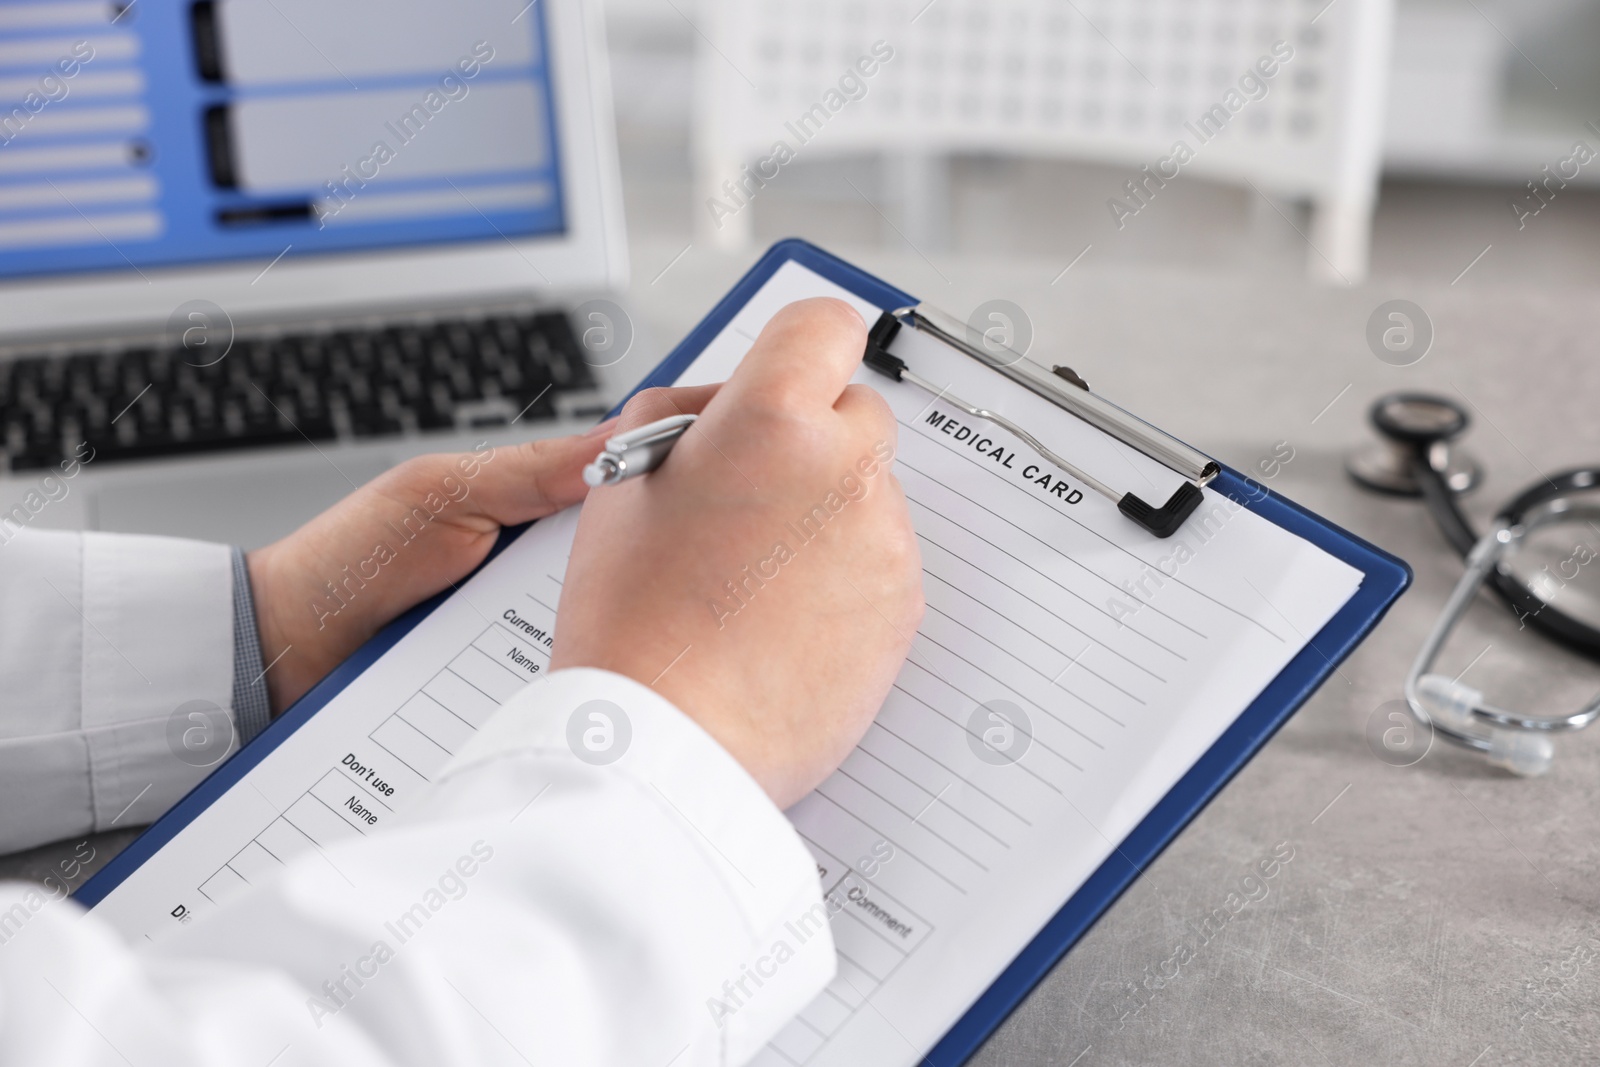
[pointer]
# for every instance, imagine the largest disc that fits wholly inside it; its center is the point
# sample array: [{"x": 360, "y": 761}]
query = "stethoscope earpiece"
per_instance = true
[{"x": 1450, "y": 704}]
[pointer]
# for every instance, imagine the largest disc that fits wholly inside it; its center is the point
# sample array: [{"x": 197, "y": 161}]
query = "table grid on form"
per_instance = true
[
  {"x": 408, "y": 747},
  {"x": 873, "y": 933}
]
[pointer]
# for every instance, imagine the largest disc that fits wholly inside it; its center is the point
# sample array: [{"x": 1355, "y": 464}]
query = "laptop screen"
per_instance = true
[{"x": 175, "y": 132}]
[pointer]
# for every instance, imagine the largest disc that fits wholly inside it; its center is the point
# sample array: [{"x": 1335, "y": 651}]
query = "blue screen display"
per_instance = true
[{"x": 171, "y": 132}]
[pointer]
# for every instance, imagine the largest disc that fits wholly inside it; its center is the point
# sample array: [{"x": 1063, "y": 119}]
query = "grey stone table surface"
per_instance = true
[{"x": 1441, "y": 914}]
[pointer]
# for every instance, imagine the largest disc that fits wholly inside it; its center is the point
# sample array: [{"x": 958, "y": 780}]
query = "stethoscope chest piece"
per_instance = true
[{"x": 1413, "y": 426}]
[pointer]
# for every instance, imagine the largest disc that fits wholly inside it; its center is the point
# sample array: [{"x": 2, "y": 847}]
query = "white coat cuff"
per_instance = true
[
  {"x": 736, "y": 829},
  {"x": 157, "y": 616},
  {"x": 106, "y": 637}
]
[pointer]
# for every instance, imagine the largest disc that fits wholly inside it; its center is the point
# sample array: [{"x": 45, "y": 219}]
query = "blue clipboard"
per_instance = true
[{"x": 1385, "y": 578}]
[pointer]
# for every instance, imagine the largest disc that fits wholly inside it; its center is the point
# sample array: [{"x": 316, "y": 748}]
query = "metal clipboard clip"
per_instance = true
[{"x": 1063, "y": 388}]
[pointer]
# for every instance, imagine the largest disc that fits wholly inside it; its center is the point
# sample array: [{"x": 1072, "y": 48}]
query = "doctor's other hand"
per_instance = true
[
  {"x": 765, "y": 578},
  {"x": 411, "y": 532}
]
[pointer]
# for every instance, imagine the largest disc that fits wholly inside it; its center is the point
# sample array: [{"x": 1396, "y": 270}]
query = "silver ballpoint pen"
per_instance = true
[{"x": 640, "y": 451}]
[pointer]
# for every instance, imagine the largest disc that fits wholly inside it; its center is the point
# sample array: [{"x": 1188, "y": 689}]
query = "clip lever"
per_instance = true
[{"x": 1162, "y": 521}]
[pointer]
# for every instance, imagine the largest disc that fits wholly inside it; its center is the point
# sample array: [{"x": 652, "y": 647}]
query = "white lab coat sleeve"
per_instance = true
[
  {"x": 537, "y": 906},
  {"x": 103, "y": 638}
]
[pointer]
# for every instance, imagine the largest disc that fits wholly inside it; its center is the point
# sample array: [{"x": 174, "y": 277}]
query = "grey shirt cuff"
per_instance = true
[{"x": 251, "y": 711}]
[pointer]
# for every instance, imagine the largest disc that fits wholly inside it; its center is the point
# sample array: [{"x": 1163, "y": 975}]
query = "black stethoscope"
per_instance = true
[{"x": 1559, "y": 514}]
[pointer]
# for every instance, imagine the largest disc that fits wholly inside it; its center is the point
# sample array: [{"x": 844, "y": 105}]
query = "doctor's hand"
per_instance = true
[
  {"x": 765, "y": 578},
  {"x": 413, "y": 531}
]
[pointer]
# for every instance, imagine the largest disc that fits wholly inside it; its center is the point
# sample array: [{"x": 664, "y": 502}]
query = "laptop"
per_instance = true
[{"x": 254, "y": 252}]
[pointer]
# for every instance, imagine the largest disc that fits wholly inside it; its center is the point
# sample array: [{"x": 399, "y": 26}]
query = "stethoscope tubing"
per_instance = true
[{"x": 1531, "y": 609}]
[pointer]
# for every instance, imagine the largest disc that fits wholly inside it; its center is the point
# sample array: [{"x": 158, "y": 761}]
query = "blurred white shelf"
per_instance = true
[{"x": 1454, "y": 110}]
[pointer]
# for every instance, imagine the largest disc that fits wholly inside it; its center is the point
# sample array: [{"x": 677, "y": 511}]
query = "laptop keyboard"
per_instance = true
[{"x": 140, "y": 403}]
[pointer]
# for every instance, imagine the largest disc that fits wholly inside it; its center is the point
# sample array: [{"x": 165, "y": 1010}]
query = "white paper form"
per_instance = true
[{"x": 1102, "y": 663}]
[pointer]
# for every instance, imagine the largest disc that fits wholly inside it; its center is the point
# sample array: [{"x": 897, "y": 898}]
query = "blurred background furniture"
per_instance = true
[
  {"x": 1469, "y": 119},
  {"x": 1102, "y": 81}
]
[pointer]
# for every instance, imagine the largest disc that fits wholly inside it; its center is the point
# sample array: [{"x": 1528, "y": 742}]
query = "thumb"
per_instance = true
[{"x": 538, "y": 478}]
